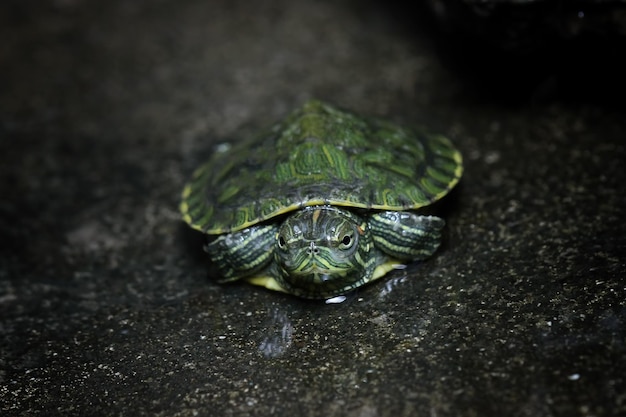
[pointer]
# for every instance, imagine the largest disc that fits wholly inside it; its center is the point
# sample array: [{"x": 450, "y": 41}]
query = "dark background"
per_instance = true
[{"x": 107, "y": 303}]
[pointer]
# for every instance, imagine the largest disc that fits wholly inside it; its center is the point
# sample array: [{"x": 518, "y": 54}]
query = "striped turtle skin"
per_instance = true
[{"x": 322, "y": 202}]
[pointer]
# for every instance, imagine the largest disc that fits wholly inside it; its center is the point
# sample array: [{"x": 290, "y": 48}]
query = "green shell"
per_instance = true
[{"x": 320, "y": 155}]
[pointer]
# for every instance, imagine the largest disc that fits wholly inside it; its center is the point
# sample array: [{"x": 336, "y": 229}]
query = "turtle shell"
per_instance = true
[{"x": 319, "y": 155}]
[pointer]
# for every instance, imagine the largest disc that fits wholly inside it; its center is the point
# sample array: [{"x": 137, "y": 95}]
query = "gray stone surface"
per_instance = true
[{"x": 107, "y": 306}]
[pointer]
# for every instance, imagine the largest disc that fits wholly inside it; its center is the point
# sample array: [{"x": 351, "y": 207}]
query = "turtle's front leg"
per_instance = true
[
  {"x": 243, "y": 253},
  {"x": 404, "y": 235}
]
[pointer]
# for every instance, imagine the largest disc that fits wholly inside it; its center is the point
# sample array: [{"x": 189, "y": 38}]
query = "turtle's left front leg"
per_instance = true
[
  {"x": 404, "y": 235},
  {"x": 244, "y": 253}
]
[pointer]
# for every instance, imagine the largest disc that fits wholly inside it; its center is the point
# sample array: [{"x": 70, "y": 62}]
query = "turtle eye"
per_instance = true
[
  {"x": 346, "y": 242},
  {"x": 281, "y": 242}
]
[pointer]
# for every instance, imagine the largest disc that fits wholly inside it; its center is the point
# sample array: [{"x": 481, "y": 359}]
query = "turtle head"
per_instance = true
[{"x": 323, "y": 251}]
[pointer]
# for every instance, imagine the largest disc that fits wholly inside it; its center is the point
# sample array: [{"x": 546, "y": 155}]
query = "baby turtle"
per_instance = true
[{"x": 323, "y": 202}]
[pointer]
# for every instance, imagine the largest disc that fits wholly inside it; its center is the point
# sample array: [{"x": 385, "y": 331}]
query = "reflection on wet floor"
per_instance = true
[{"x": 278, "y": 334}]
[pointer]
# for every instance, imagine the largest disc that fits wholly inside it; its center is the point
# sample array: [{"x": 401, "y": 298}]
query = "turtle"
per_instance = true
[{"x": 322, "y": 202}]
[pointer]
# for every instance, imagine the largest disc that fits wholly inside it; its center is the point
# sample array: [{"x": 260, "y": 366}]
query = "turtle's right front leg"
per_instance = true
[{"x": 243, "y": 253}]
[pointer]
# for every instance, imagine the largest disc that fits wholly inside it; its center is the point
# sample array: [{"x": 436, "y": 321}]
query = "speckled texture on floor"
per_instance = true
[{"x": 107, "y": 306}]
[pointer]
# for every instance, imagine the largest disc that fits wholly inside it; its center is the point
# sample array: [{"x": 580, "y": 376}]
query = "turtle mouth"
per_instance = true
[
  {"x": 319, "y": 273},
  {"x": 315, "y": 268},
  {"x": 316, "y": 273},
  {"x": 319, "y": 276}
]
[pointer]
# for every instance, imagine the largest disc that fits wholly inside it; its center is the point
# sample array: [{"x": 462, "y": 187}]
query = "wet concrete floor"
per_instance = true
[{"x": 108, "y": 305}]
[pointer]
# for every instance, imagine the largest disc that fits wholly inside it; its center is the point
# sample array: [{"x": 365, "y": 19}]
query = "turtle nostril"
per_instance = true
[{"x": 312, "y": 249}]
